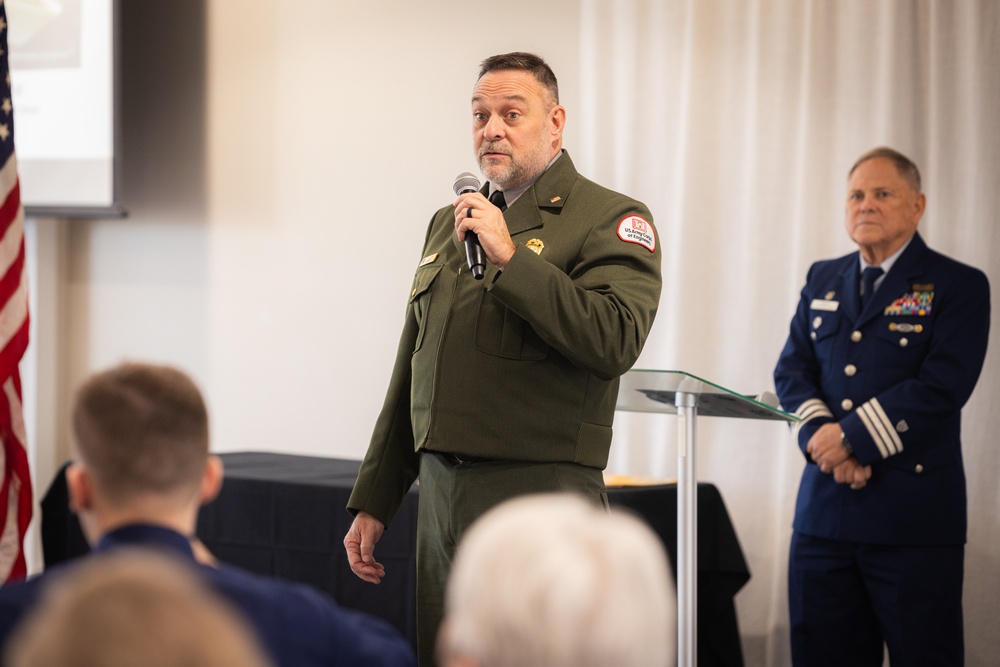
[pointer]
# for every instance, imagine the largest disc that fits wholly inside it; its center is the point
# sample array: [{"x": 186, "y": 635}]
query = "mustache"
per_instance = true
[{"x": 493, "y": 148}]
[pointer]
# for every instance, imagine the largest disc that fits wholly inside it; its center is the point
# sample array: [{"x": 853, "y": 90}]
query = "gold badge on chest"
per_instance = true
[{"x": 535, "y": 245}]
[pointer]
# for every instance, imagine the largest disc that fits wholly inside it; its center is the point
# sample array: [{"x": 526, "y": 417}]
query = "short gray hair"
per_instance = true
[{"x": 905, "y": 167}]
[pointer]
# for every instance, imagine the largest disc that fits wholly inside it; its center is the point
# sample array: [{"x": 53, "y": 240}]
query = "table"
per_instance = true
[{"x": 283, "y": 515}]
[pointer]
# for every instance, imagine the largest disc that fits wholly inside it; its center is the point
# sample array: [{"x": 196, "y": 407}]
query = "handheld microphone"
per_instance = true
[{"x": 464, "y": 184}]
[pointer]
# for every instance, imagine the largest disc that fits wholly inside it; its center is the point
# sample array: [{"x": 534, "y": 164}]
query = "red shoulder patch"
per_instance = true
[{"x": 638, "y": 230}]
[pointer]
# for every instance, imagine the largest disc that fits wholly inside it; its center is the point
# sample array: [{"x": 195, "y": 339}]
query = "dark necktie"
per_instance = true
[
  {"x": 498, "y": 200},
  {"x": 868, "y": 278}
]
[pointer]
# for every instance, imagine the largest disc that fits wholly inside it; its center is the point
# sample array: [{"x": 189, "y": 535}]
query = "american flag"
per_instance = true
[{"x": 15, "y": 479}]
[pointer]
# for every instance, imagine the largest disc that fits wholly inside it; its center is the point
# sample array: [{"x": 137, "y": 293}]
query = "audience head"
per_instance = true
[
  {"x": 141, "y": 432},
  {"x": 552, "y": 580},
  {"x": 133, "y": 608}
]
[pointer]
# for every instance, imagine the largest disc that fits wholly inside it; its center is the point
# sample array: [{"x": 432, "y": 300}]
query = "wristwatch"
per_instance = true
[{"x": 845, "y": 443}]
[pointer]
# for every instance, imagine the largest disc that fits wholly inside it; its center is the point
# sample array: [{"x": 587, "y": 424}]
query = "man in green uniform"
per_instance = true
[{"x": 507, "y": 385}]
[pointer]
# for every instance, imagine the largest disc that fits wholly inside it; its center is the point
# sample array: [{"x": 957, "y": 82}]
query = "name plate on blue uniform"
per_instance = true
[{"x": 824, "y": 304}]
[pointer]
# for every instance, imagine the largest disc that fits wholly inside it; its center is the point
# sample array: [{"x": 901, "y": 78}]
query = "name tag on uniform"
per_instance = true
[{"x": 824, "y": 304}]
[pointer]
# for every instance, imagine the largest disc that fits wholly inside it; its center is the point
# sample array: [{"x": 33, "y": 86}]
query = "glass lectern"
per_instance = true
[{"x": 683, "y": 394}]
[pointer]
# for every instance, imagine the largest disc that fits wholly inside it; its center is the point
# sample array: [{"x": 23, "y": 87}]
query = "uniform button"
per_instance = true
[
  {"x": 850, "y": 370},
  {"x": 847, "y": 404},
  {"x": 816, "y": 322},
  {"x": 855, "y": 336},
  {"x": 813, "y": 335},
  {"x": 903, "y": 342},
  {"x": 918, "y": 468}
]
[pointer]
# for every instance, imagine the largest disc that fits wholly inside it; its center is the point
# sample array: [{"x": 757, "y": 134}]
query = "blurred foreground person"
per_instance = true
[
  {"x": 132, "y": 609},
  {"x": 142, "y": 473},
  {"x": 551, "y": 580}
]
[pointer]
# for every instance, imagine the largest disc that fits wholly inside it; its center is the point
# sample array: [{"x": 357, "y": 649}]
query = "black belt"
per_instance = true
[{"x": 460, "y": 459}]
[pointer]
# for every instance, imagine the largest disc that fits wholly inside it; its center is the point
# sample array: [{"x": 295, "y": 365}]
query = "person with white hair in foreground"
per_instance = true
[{"x": 550, "y": 579}]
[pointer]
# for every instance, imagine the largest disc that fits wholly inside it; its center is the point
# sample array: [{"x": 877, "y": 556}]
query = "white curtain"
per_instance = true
[{"x": 736, "y": 122}]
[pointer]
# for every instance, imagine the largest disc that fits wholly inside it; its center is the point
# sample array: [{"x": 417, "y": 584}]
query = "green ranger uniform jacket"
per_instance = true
[{"x": 524, "y": 364}]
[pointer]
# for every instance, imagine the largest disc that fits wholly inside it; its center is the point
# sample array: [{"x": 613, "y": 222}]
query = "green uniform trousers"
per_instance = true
[{"x": 453, "y": 495}]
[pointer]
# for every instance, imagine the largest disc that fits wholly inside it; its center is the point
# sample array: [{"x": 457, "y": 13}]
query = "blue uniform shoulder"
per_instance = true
[
  {"x": 15, "y": 600},
  {"x": 825, "y": 269},
  {"x": 951, "y": 266},
  {"x": 303, "y": 626}
]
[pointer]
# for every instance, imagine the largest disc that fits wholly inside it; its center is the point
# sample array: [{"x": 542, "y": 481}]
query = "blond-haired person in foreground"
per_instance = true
[
  {"x": 133, "y": 608},
  {"x": 552, "y": 580}
]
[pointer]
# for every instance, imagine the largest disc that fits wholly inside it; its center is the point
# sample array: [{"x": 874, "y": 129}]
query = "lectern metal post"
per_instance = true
[
  {"x": 683, "y": 394},
  {"x": 687, "y": 525}
]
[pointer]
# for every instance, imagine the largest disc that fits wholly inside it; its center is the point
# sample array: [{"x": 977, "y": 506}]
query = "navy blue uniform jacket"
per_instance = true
[
  {"x": 895, "y": 377},
  {"x": 297, "y": 625}
]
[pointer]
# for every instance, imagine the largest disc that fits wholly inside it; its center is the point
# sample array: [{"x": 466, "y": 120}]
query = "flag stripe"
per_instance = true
[
  {"x": 15, "y": 480},
  {"x": 11, "y": 238},
  {"x": 9, "y": 182},
  {"x": 13, "y": 324}
]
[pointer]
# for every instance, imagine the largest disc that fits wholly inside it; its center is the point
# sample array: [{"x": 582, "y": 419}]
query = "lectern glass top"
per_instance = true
[{"x": 655, "y": 391}]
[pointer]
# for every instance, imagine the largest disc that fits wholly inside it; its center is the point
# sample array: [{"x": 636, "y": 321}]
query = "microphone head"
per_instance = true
[{"x": 466, "y": 182}]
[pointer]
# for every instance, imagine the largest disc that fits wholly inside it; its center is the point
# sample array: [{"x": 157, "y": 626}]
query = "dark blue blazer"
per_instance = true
[
  {"x": 299, "y": 627},
  {"x": 895, "y": 377}
]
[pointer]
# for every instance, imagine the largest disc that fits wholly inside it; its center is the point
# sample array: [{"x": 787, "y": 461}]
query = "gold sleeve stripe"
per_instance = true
[
  {"x": 880, "y": 428},
  {"x": 811, "y": 409}
]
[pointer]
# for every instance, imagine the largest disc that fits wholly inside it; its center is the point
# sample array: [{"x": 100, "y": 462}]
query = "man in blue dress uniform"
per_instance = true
[{"x": 885, "y": 348}]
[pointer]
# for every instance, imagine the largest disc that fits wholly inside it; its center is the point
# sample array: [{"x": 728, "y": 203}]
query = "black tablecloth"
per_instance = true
[{"x": 284, "y": 515}]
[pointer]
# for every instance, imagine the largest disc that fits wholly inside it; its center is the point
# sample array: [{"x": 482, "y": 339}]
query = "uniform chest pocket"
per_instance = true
[
  {"x": 907, "y": 334},
  {"x": 503, "y": 333},
  {"x": 823, "y": 324},
  {"x": 420, "y": 297}
]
